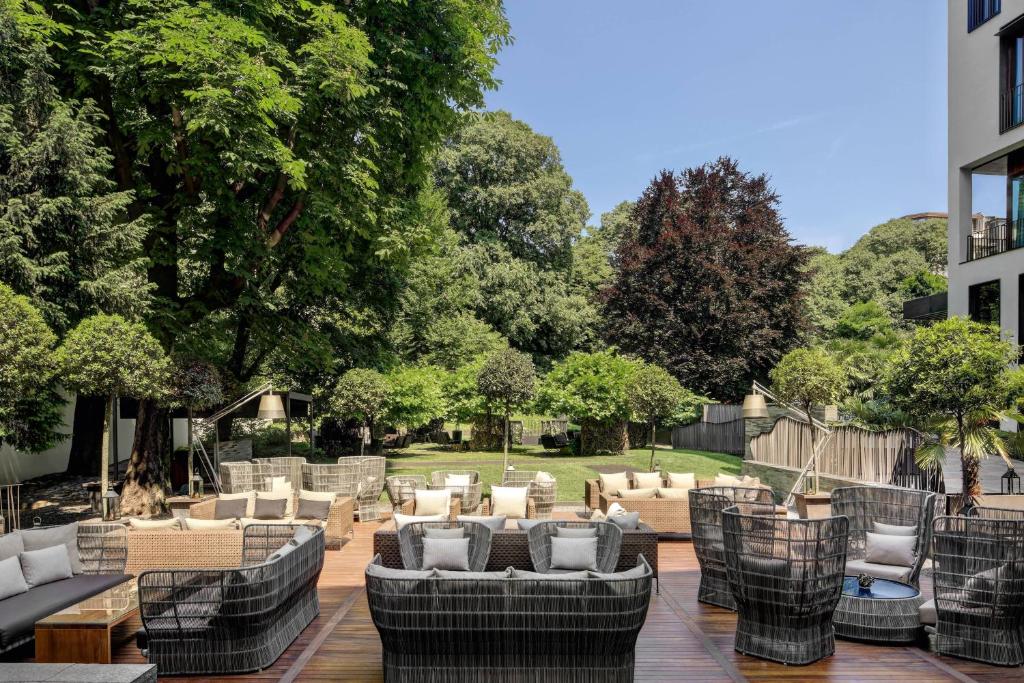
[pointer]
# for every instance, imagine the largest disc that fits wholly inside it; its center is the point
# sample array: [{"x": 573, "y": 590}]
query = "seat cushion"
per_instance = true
[
  {"x": 927, "y": 614},
  {"x": 879, "y": 571},
  {"x": 19, "y": 614}
]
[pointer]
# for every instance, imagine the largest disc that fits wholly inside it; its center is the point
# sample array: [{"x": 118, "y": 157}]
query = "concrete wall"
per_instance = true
[{"x": 782, "y": 479}]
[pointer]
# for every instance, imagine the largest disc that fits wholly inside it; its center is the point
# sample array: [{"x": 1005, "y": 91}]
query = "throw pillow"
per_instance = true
[
  {"x": 576, "y": 532},
  {"x": 573, "y": 553},
  {"x": 271, "y": 508},
  {"x": 446, "y": 553},
  {"x": 458, "y": 480},
  {"x": 150, "y": 524},
  {"x": 615, "y": 509},
  {"x": 630, "y": 494},
  {"x": 726, "y": 480},
  {"x": 674, "y": 494},
  {"x": 44, "y": 537},
  {"x": 894, "y": 529},
  {"x": 313, "y": 509},
  {"x": 329, "y": 496},
  {"x": 891, "y": 550},
  {"x": 751, "y": 482},
  {"x": 12, "y": 581},
  {"x": 383, "y": 572},
  {"x": 509, "y": 501},
  {"x": 401, "y": 520},
  {"x": 527, "y": 524},
  {"x": 685, "y": 480},
  {"x": 302, "y": 534},
  {"x": 209, "y": 524},
  {"x": 433, "y": 502},
  {"x": 627, "y": 521},
  {"x": 46, "y": 565},
  {"x": 271, "y": 483},
  {"x": 598, "y": 516},
  {"x": 277, "y": 493},
  {"x": 282, "y": 551},
  {"x": 537, "y": 576},
  {"x": 544, "y": 478},
  {"x": 249, "y": 497},
  {"x": 493, "y": 523},
  {"x": 455, "y": 532},
  {"x": 234, "y": 508},
  {"x": 647, "y": 480},
  {"x": 11, "y": 545},
  {"x": 610, "y": 483}
]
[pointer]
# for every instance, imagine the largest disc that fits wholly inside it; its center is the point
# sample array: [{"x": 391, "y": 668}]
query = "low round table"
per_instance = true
[{"x": 887, "y": 611}]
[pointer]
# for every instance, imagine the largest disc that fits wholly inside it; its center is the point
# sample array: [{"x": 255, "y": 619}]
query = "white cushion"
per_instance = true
[
  {"x": 926, "y": 613},
  {"x": 894, "y": 529},
  {"x": 453, "y": 532},
  {"x": 647, "y": 480},
  {"x": 675, "y": 494},
  {"x": 459, "y": 480},
  {"x": 272, "y": 483},
  {"x": 509, "y": 501},
  {"x": 598, "y": 516},
  {"x": 752, "y": 482},
  {"x": 173, "y": 523},
  {"x": 46, "y": 565},
  {"x": 544, "y": 478},
  {"x": 433, "y": 502},
  {"x": 193, "y": 524},
  {"x": 248, "y": 521},
  {"x": 610, "y": 483},
  {"x": 879, "y": 571},
  {"x": 726, "y": 480},
  {"x": 309, "y": 522},
  {"x": 576, "y": 532},
  {"x": 888, "y": 549},
  {"x": 401, "y": 520},
  {"x": 684, "y": 480},
  {"x": 250, "y": 496},
  {"x": 277, "y": 493},
  {"x": 446, "y": 553},
  {"x": 573, "y": 553},
  {"x": 12, "y": 580},
  {"x": 637, "y": 493},
  {"x": 615, "y": 509},
  {"x": 318, "y": 495}
]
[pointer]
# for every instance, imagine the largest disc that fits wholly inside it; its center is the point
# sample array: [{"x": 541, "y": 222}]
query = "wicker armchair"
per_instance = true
[
  {"x": 609, "y": 542},
  {"x": 410, "y": 542},
  {"x": 372, "y": 477},
  {"x": 402, "y": 488},
  {"x": 865, "y": 505},
  {"x": 102, "y": 547},
  {"x": 469, "y": 496},
  {"x": 289, "y": 467},
  {"x": 543, "y": 493},
  {"x": 337, "y": 526},
  {"x": 241, "y": 477},
  {"x": 786, "y": 577},
  {"x": 705, "y": 507},
  {"x": 985, "y": 512},
  {"x": 221, "y": 621},
  {"x": 979, "y": 588}
]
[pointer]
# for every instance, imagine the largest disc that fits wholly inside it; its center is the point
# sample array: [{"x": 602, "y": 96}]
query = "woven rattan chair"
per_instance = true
[
  {"x": 706, "y": 505},
  {"x": 222, "y": 621},
  {"x": 241, "y": 477},
  {"x": 985, "y": 512},
  {"x": 402, "y": 488},
  {"x": 289, "y": 467},
  {"x": 469, "y": 496},
  {"x": 865, "y": 505},
  {"x": 609, "y": 542},
  {"x": 786, "y": 577},
  {"x": 103, "y": 548},
  {"x": 543, "y": 493},
  {"x": 371, "y": 483},
  {"x": 979, "y": 588},
  {"x": 410, "y": 542}
]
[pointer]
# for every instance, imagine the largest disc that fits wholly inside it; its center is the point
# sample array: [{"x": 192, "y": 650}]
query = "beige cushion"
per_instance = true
[
  {"x": 647, "y": 480},
  {"x": 432, "y": 502},
  {"x": 544, "y": 478},
  {"x": 246, "y": 521},
  {"x": 637, "y": 493},
  {"x": 615, "y": 509},
  {"x": 598, "y": 516},
  {"x": 927, "y": 614},
  {"x": 172, "y": 523},
  {"x": 752, "y": 482},
  {"x": 203, "y": 524},
  {"x": 509, "y": 501},
  {"x": 318, "y": 495},
  {"x": 610, "y": 483},
  {"x": 401, "y": 520},
  {"x": 684, "y": 480},
  {"x": 309, "y": 522},
  {"x": 460, "y": 480},
  {"x": 889, "y": 549},
  {"x": 279, "y": 492},
  {"x": 879, "y": 571},
  {"x": 271, "y": 483},
  {"x": 250, "y": 496},
  {"x": 675, "y": 494},
  {"x": 726, "y": 480}
]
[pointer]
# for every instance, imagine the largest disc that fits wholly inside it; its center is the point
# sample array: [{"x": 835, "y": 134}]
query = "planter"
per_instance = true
[{"x": 813, "y": 505}]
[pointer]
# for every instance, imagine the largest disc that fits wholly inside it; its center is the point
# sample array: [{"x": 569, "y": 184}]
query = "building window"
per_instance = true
[
  {"x": 980, "y": 11},
  {"x": 983, "y": 302},
  {"x": 1011, "y": 99}
]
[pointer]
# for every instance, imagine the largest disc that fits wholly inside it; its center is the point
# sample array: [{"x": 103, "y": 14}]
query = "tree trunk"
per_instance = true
[
  {"x": 969, "y": 467},
  {"x": 504, "y": 444},
  {"x": 651, "y": 468},
  {"x": 362, "y": 440},
  {"x": 144, "y": 481},
  {"x": 87, "y": 435},
  {"x": 191, "y": 453},
  {"x": 109, "y": 447}
]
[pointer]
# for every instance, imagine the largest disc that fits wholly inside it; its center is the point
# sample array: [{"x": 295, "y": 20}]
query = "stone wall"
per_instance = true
[{"x": 781, "y": 479}]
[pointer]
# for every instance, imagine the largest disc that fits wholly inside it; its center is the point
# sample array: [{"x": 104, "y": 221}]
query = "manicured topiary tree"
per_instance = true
[
  {"x": 195, "y": 384},
  {"x": 362, "y": 394},
  {"x": 653, "y": 394},
  {"x": 106, "y": 355},
  {"x": 506, "y": 382}
]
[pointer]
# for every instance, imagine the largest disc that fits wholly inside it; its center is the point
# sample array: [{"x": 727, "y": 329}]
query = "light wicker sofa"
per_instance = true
[
  {"x": 180, "y": 549},
  {"x": 337, "y": 527},
  {"x": 664, "y": 515}
]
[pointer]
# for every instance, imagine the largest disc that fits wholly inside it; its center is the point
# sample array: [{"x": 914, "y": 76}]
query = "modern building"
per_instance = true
[{"x": 986, "y": 137}]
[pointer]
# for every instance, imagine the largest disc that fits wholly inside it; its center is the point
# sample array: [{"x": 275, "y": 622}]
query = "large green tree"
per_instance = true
[{"x": 278, "y": 151}]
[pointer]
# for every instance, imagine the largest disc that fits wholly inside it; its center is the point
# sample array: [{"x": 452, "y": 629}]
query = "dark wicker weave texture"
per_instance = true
[
  {"x": 786, "y": 577},
  {"x": 609, "y": 542},
  {"x": 410, "y": 541},
  {"x": 979, "y": 589},
  {"x": 706, "y": 505},
  {"x": 224, "y": 621},
  {"x": 469, "y": 496},
  {"x": 982, "y": 512},
  {"x": 103, "y": 548},
  {"x": 505, "y": 630}
]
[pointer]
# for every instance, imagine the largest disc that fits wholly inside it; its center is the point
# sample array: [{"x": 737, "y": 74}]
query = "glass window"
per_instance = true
[
  {"x": 980, "y": 11},
  {"x": 983, "y": 302}
]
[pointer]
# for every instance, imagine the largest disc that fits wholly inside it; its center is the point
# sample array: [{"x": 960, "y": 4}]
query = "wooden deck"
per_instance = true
[{"x": 682, "y": 640}]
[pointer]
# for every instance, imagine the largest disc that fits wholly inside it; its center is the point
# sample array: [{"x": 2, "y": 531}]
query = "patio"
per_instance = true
[{"x": 680, "y": 636}]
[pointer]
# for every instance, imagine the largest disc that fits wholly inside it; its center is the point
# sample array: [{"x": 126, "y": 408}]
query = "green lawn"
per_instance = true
[{"x": 569, "y": 470}]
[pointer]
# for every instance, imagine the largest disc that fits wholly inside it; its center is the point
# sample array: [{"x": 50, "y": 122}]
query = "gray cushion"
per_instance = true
[
  {"x": 486, "y": 576},
  {"x": 45, "y": 565},
  {"x": 12, "y": 581},
  {"x": 576, "y": 532},
  {"x": 313, "y": 509},
  {"x": 573, "y": 553},
  {"x": 456, "y": 532},
  {"x": 44, "y": 537},
  {"x": 270, "y": 508},
  {"x": 927, "y": 614},
  {"x": 19, "y": 614},
  {"x": 564, "y": 576},
  {"x": 626, "y": 522},
  {"x": 494, "y": 523},
  {"x": 302, "y": 534},
  {"x": 527, "y": 524},
  {"x": 11, "y": 545},
  {"x": 230, "y": 508},
  {"x": 879, "y": 571},
  {"x": 888, "y": 549},
  {"x": 382, "y": 572},
  {"x": 446, "y": 553},
  {"x": 894, "y": 529},
  {"x": 637, "y": 572},
  {"x": 281, "y": 552}
]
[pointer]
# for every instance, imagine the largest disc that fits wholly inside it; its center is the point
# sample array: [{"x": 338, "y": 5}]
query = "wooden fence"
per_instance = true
[
  {"x": 852, "y": 453},
  {"x": 718, "y": 413},
  {"x": 721, "y": 437}
]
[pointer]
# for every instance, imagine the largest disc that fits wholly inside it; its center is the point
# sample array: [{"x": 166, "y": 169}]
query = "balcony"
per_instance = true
[
  {"x": 1011, "y": 108},
  {"x": 926, "y": 308},
  {"x": 994, "y": 238}
]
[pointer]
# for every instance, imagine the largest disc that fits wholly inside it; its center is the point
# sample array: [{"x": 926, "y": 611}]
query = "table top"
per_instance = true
[
  {"x": 881, "y": 589},
  {"x": 103, "y": 609}
]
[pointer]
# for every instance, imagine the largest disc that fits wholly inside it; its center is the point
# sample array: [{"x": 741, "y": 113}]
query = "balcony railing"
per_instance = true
[
  {"x": 1011, "y": 108},
  {"x": 980, "y": 11},
  {"x": 994, "y": 238}
]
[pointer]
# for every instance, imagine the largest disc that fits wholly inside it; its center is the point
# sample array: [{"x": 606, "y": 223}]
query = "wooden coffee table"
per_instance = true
[{"x": 80, "y": 634}]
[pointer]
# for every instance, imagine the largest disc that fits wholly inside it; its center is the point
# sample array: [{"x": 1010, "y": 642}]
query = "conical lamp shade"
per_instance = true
[
  {"x": 271, "y": 407},
  {"x": 754, "y": 406}
]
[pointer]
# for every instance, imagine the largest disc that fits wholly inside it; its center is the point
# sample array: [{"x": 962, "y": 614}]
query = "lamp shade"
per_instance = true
[
  {"x": 754, "y": 406},
  {"x": 271, "y": 407}
]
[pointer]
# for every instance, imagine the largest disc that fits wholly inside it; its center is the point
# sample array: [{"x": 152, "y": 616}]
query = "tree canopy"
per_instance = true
[{"x": 808, "y": 377}]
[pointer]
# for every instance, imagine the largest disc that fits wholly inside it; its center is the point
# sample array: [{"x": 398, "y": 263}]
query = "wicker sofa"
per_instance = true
[
  {"x": 500, "y": 627},
  {"x": 220, "y": 621},
  {"x": 664, "y": 515},
  {"x": 336, "y": 528}
]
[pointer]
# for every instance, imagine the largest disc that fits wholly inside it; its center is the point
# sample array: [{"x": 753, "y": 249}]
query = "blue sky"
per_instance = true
[{"x": 842, "y": 103}]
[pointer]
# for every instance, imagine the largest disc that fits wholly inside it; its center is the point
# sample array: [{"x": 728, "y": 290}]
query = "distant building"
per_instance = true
[{"x": 926, "y": 216}]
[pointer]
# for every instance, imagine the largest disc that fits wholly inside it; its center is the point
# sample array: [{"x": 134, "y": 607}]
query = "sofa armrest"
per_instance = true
[
  {"x": 203, "y": 510},
  {"x": 408, "y": 507},
  {"x": 339, "y": 518},
  {"x": 591, "y": 490}
]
